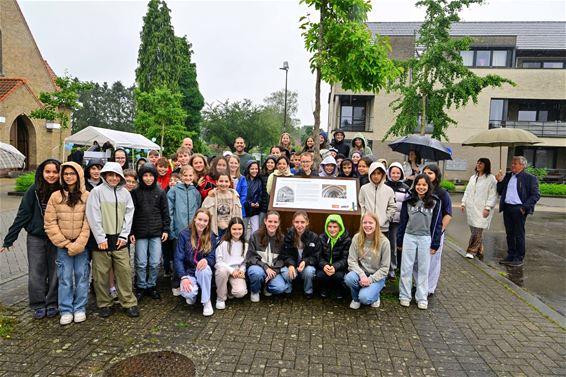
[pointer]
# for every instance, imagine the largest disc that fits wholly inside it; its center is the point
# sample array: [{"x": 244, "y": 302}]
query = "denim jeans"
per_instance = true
[
  {"x": 42, "y": 275},
  {"x": 307, "y": 276},
  {"x": 202, "y": 280},
  {"x": 277, "y": 285},
  {"x": 148, "y": 252},
  {"x": 415, "y": 248},
  {"x": 77, "y": 268},
  {"x": 365, "y": 295}
]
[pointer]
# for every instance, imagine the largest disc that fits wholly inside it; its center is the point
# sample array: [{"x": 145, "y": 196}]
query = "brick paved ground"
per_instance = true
[{"x": 475, "y": 326}]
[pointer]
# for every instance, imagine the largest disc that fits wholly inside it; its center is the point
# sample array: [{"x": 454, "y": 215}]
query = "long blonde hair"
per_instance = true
[
  {"x": 362, "y": 238},
  {"x": 205, "y": 238}
]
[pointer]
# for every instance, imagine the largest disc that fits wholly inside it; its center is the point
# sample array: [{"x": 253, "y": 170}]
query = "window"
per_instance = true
[
  {"x": 542, "y": 64},
  {"x": 468, "y": 58},
  {"x": 553, "y": 65},
  {"x": 496, "y": 109},
  {"x": 353, "y": 113},
  {"x": 532, "y": 64},
  {"x": 527, "y": 116},
  {"x": 539, "y": 157},
  {"x": 483, "y": 58},
  {"x": 486, "y": 58}
]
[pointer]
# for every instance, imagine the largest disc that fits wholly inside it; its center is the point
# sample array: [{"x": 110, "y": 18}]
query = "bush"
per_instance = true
[
  {"x": 23, "y": 182},
  {"x": 552, "y": 189},
  {"x": 447, "y": 185},
  {"x": 540, "y": 173}
]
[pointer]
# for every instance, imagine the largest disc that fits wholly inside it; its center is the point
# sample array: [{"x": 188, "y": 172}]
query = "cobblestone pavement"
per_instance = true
[{"x": 475, "y": 326}]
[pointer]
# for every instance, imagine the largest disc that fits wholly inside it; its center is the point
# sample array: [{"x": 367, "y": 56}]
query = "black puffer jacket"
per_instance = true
[
  {"x": 341, "y": 146},
  {"x": 311, "y": 251},
  {"x": 339, "y": 252},
  {"x": 151, "y": 216}
]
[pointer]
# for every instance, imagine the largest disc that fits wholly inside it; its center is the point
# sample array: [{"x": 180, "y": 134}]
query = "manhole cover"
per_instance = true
[{"x": 151, "y": 364}]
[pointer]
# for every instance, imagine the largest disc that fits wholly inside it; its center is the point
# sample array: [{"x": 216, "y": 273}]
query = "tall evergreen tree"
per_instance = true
[
  {"x": 158, "y": 56},
  {"x": 192, "y": 101}
]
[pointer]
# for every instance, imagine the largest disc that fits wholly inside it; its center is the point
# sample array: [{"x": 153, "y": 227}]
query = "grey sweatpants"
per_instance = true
[{"x": 42, "y": 273}]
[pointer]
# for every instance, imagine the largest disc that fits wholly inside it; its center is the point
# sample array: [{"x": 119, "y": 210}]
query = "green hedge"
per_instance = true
[
  {"x": 23, "y": 182},
  {"x": 447, "y": 185},
  {"x": 552, "y": 189}
]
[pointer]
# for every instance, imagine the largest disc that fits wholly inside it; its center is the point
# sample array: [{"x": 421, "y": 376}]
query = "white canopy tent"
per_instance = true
[{"x": 118, "y": 139}]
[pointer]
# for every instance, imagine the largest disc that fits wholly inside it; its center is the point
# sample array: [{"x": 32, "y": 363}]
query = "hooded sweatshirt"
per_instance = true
[
  {"x": 276, "y": 173},
  {"x": 110, "y": 210},
  {"x": 335, "y": 249},
  {"x": 365, "y": 150},
  {"x": 328, "y": 160},
  {"x": 400, "y": 188},
  {"x": 151, "y": 215},
  {"x": 379, "y": 198},
  {"x": 341, "y": 146},
  {"x": 184, "y": 201},
  {"x": 67, "y": 227},
  {"x": 222, "y": 206},
  {"x": 32, "y": 208}
]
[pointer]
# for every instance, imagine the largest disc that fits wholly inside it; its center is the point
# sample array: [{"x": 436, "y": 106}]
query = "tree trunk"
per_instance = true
[
  {"x": 162, "y": 135},
  {"x": 423, "y": 114},
  {"x": 316, "y": 113}
]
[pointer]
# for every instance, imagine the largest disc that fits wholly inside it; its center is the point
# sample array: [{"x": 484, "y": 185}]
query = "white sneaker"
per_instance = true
[
  {"x": 266, "y": 293},
  {"x": 113, "y": 293},
  {"x": 176, "y": 291},
  {"x": 207, "y": 311},
  {"x": 80, "y": 317},
  {"x": 376, "y": 304},
  {"x": 423, "y": 305},
  {"x": 405, "y": 302},
  {"x": 191, "y": 301},
  {"x": 66, "y": 319},
  {"x": 254, "y": 297},
  {"x": 220, "y": 304},
  {"x": 469, "y": 256},
  {"x": 355, "y": 305}
]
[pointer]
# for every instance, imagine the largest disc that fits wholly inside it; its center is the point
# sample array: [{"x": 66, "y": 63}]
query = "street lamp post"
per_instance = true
[{"x": 286, "y": 69}]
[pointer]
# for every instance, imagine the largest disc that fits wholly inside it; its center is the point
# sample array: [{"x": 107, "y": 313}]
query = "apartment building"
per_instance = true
[{"x": 532, "y": 54}]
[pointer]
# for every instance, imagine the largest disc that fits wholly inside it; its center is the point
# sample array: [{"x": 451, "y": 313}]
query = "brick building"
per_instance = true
[
  {"x": 23, "y": 75},
  {"x": 532, "y": 54}
]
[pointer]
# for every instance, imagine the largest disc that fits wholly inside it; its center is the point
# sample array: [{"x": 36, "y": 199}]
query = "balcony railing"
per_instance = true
[
  {"x": 367, "y": 126},
  {"x": 541, "y": 129}
]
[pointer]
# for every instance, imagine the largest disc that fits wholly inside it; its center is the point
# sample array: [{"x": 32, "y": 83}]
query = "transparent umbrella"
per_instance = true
[{"x": 11, "y": 157}]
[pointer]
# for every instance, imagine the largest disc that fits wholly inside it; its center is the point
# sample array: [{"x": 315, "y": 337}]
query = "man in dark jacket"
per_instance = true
[
  {"x": 333, "y": 261},
  {"x": 519, "y": 194},
  {"x": 150, "y": 227},
  {"x": 338, "y": 142}
]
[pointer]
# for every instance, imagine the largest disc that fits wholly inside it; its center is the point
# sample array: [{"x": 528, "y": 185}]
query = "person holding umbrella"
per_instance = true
[{"x": 519, "y": 193}]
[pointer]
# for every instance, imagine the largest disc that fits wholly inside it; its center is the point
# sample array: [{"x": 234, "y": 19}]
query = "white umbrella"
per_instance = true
[{"x": 11, "y": 157}]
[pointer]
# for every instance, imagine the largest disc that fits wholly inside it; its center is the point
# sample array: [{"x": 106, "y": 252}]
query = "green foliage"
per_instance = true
[
  {"x": 447, "y": 185},
  {"x": 192, "y": 101},
  {"x": 276, "y": 102},
  {"x": 23, "y": 182},
  {"x": 161, "y": 116},
  {"x": 437, "y": 80},
  {"x": 540, "y": 173},
  {"x": 158, "y": 56},
  {"x": 552, "y": 189},
  {"x": 344, "y": 50},
  {"x": 223, "y": 122},
  {"x": 7, "y": 322},
  {"x": 106, "y": 107}
]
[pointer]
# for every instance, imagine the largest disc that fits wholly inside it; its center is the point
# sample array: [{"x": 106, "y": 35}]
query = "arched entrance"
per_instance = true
[{"x": 22, "y": 136}]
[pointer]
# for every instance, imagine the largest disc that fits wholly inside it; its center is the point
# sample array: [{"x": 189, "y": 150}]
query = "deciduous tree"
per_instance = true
[{"x": 437, "y": 80}]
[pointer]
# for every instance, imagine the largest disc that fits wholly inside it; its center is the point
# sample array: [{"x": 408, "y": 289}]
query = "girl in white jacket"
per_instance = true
[
  {"x": 478, "y": 203},
  {"x": 230, "y": 263}
]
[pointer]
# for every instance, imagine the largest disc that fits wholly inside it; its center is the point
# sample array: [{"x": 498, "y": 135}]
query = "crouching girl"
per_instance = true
[
  {"x": 194, "y": 260},
  {"x": 333, "y": 261},
  {"x": 230, "y": 263},
  {"x": 368, "y": 262}
]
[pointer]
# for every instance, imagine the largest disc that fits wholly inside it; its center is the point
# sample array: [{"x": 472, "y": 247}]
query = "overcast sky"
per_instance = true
[{"x": 238, "y": 45}]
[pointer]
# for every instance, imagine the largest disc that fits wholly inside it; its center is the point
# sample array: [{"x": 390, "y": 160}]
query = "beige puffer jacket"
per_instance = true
[{"x": 67, "y": 227}]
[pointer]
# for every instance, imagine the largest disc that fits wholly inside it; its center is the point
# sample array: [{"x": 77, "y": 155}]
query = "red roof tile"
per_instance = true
[{"x": 10, "y": 85}]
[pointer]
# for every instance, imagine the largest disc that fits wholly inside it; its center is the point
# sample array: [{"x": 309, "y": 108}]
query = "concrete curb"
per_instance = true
[{"x": 529, "y": 298}]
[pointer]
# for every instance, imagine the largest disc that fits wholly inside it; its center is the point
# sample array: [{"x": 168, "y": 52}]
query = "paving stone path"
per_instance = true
[{"x": 475, "y": 326}]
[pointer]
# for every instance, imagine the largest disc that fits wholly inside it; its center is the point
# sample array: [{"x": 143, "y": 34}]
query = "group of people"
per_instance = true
[{"x": 206, "y": 220}]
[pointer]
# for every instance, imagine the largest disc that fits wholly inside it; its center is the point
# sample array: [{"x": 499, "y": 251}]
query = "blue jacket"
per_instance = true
[
  {"x": 435, "y": 224},
  {"x": 183, "y": 203},
  {"x": 527, "y": 188},
  {"x": 186, "y": 259},
  {"x": 255, "y": 194},
  {"x": 242, "y": 190}
]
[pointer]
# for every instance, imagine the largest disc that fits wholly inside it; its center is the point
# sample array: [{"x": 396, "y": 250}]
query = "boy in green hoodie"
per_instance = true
[{"x": 333, "y": 261}]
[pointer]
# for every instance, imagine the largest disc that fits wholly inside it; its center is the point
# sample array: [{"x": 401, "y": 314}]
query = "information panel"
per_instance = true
[{"x": 318, "y": 194}]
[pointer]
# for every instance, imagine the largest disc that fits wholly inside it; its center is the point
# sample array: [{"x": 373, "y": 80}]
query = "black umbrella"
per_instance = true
[{"x": 427, "y": 147}]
